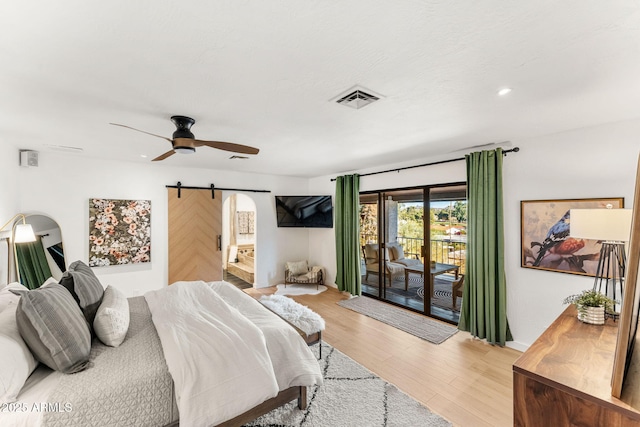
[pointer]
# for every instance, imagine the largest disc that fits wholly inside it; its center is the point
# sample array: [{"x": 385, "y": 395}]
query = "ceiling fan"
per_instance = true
[{"x": 184, "y": 142}]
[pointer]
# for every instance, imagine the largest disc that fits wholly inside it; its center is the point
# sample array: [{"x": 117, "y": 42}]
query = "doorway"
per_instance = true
[
  {"x": 238, "y": 240},
  {"x": 410, "y": 258}
]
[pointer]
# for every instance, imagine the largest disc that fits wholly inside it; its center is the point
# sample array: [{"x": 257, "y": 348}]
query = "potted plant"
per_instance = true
[{"x": 591, "y": 306}]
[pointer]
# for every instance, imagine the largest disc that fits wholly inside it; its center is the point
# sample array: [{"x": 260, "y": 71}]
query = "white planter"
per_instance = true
[{"x": 592, "y": 315}]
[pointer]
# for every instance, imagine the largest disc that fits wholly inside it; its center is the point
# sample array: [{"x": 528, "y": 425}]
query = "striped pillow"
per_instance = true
[
  {"x": 54, "y": 328},
  {"x": 85, "y": 288}
]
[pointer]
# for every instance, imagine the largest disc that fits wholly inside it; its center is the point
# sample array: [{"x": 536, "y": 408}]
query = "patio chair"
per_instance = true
[
  {"x": 392, "y": 270},
  {"x": 397, "y": 255},
  {"x": 456, "y": 289}
]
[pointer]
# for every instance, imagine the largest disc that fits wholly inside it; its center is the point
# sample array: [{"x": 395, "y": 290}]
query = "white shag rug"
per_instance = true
[
  {"x": 351, "y": 396},
  {"x": 299, "y": 290},
  {"x": 297, "y": 314}
]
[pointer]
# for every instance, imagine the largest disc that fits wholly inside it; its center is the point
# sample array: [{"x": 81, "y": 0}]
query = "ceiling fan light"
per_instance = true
[{"x": 184, "y": 150}]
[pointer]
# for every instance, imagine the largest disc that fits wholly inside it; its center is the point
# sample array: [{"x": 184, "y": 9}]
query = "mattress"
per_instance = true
[{"x": 127, "y": 385}]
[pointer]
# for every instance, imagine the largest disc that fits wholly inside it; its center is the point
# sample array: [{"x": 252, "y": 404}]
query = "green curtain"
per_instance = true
[
  {"x": 484, "y": 299},
  {"x": 32, "y": 263},
  {"x": 348, "y": 234}
]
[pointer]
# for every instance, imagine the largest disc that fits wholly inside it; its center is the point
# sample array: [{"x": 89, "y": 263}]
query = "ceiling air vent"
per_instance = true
[{"x": 357, "y": 97}]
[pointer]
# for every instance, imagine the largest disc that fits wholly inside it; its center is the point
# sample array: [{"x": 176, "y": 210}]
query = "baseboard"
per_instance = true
[{"x": 517, "y": 346}]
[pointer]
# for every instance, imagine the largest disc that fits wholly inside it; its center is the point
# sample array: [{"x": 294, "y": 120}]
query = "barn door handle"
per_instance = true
[{"x": 219, "y": 242}]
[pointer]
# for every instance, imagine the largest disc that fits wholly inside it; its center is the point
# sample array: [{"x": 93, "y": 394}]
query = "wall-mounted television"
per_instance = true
[{"x": 304, "y": 211}]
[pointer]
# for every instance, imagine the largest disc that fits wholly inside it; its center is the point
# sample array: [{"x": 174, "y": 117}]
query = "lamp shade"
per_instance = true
[
  {"x": 24, "y": 234},
  {"x": 601, "y": 224}
]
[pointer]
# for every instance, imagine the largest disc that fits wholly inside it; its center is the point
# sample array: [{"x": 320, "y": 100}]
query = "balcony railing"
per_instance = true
[{"x": 444, "y": 249}]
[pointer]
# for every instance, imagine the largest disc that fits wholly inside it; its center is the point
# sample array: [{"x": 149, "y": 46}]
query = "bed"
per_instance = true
[{"x": 174, "y": 367}]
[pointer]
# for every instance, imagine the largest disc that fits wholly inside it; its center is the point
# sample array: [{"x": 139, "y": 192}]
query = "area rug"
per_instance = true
[
  {"x": 441, "y": 293},
  {"x": 413, "y": 323},
  {"x": 351, "y": 396},
  {"x": 299, "y": 290}
]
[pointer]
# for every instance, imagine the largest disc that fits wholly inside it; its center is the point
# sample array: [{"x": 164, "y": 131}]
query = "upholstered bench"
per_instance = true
[{"x": 308, "y": 323}]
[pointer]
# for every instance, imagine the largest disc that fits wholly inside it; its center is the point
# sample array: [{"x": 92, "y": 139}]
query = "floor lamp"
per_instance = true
[
  {"x": 612, "y": 227},
  {"x": 20, "y": 232}
]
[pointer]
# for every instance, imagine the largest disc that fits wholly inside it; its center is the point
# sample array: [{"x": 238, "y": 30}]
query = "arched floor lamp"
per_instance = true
[{"x": 21, "y": 232}]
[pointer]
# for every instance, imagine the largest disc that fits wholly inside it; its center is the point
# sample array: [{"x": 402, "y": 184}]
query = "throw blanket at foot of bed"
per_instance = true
[
  {"x": 218, "y": 352},
  {"x": 302, "y": 317}
]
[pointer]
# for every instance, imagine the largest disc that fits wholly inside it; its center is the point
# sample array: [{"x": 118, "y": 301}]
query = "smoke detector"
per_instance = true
[{"x": 357, "y": 97}]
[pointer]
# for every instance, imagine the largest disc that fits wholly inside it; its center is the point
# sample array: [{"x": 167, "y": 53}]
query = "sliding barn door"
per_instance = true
[{"x": 195, "y": 230}]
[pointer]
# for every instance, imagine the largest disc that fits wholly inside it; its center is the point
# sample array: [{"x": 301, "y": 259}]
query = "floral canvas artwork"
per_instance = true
[
  {"x": 546, "y": 240},
  {"x": 119, "y": 232}
]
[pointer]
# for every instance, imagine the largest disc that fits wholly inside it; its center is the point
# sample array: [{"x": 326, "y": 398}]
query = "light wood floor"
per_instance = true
[{"x": 464, "y": 379}]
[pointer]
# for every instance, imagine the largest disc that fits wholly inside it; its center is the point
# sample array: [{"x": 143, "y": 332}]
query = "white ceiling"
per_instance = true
[{"x": 263, "y": 73}]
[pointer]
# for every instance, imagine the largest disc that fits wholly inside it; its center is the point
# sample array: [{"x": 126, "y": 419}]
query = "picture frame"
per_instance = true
[
  {"x": 119, "y": 232},
  {"x": 562, "y": 253}
]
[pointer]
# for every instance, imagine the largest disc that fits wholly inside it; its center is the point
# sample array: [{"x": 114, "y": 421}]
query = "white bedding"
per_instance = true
[
  {"x": 40, "y": 385},
  {"x": 225, "y": 352},
  {"x": 293, "y": 362}
]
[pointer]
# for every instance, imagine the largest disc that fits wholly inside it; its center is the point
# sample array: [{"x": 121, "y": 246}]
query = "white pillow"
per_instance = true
[
  {"x": 112, "y": 318},
  {"x": 297, "y": 268},
  {"x": 7, "y": 297},
  {"x": 398, "y": 252},
  {"x": 16, "y": 360},
  {"x": 49, "y": 281}
]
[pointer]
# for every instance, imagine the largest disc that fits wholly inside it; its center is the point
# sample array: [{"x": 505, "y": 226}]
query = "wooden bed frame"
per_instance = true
[{"x": 284, "y": 397}]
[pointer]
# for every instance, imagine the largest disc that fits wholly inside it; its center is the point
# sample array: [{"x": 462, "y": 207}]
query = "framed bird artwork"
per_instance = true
[{"x": 546, "y": 243}]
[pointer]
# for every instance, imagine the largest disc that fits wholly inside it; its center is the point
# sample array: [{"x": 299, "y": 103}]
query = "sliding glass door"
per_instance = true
[
  {"x": 448, "y": 247},
  {"x": 369, "y": 243},
  {"x": 412, "y": 259}
]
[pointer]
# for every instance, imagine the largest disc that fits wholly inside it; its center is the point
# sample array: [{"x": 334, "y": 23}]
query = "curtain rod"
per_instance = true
[
  {"x": 211, "y": 188},
  {"x": 513, "y": 150}
]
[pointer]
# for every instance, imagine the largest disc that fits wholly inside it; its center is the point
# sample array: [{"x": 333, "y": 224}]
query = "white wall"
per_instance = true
[
  {"x": 62, "y": 185},
  {"x": 591, "y": 162}
]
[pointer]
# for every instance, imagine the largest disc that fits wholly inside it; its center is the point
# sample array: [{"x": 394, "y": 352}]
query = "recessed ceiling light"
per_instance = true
[
  {"x": 144, "y": 156},
  {"x": 504, "y": 91}
]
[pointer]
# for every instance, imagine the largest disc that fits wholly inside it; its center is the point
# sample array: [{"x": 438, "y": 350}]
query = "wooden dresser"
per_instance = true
[{"x": 564, "y": 378}]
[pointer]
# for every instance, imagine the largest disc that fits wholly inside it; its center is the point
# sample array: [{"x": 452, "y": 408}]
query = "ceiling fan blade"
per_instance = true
[
  {"x": 148, "y": 133},
  {"x": 164, "y": 156},
  {"x": 227, "y": 146}
]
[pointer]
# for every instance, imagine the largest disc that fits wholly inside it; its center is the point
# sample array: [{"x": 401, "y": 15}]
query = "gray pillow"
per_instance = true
[
  {"x": 54, "y": 328},
  {"x": 85, "y": 288}
]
